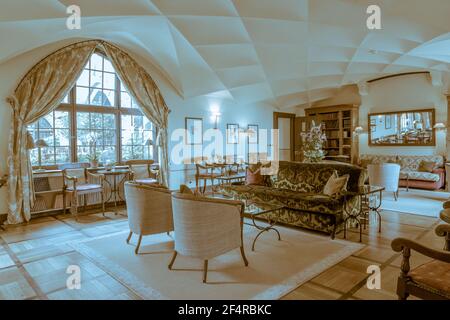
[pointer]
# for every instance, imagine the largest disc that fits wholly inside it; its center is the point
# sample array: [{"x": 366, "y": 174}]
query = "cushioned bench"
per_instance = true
[{"x": 410, "y": 175}]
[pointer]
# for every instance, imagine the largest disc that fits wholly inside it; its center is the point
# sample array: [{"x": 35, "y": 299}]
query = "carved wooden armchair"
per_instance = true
[
  {"x": 430, "y": 280},
  {"x": 205, "y": 171},
  {"x": 78, "y": 181},
  {"x": 148, "y": 177}
]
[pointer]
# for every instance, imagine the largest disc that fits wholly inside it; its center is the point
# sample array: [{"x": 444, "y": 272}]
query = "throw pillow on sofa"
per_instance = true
[
  {"x": 335, "y": 184},
  {"x": 427, "y": 166},
  {"x": 253, "y": 176},
  {"x": 364, "y": 163},
  {"x": 186, "y": 190}
]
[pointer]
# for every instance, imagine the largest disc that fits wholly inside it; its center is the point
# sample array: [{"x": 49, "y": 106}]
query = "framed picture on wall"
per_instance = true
[
  {"x": 194, "y": 128},
  {"x": 232, "y": 133},
  {"x": 252, "y": 130}
]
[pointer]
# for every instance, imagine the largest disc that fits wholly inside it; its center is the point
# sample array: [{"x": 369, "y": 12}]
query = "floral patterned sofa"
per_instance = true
[
  {"x": 298, "y": 186},
  {"x": 409, "y": 173}
]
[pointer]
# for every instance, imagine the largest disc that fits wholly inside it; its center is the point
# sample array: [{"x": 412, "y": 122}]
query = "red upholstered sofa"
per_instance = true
[{"x": 410, "y": 176}]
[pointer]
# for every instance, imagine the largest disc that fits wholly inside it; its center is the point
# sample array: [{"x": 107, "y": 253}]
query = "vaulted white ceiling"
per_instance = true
[{"x": 284, "y": 52}]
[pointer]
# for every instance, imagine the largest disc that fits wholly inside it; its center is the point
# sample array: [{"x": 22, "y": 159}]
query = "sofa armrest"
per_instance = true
[
  {"x": 441, "y": 173},
  {"x": 439, "y": 170}
]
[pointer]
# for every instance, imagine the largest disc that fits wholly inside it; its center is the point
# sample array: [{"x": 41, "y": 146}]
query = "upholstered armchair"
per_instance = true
[
  {"x": 149, "y": 176},
  {"x": 430, "y": 280},
  {"x": 206, "y": 228},
  {"x": 78, "y": 181},
  {"x": 385, "y": 175},
  {"x": 149, "y": 210}
]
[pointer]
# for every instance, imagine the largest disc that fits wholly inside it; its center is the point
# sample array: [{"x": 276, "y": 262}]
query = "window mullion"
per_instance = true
[
  {"x": 73, "y": 125},
  {"x": 54, "y": 138},
  {"x": 118, "y": 121}
]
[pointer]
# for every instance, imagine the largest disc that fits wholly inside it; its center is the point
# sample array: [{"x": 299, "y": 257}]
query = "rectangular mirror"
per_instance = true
[{"x": 406, "y": 128}]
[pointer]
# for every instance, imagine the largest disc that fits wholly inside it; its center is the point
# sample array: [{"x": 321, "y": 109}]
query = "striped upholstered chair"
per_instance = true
[
  {"x": 206, "y": 228},
  {"x": 149, "y": 210}
]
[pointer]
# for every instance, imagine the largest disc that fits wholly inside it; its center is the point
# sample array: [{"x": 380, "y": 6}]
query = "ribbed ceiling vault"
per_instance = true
[{"x": 283, "y": 52}]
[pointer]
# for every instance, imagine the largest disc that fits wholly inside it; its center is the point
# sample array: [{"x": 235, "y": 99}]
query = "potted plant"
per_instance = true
[
  {"x": 93, "y": 154},
  {"x": 313, "y": 142}
]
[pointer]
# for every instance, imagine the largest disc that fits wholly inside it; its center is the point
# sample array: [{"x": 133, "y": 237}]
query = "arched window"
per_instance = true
[{"x": 97, "y": 117}]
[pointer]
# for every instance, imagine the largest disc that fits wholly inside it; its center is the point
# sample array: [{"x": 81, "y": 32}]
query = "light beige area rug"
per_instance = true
[
  {"x": 275, "y": 267},
  {"x": 415, "y": 201}
]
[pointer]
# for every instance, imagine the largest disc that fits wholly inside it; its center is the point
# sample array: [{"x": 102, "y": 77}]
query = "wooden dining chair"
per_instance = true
[
  {"x": 79, "y": 182},
  {"x": 143, "y": 171},
  {"x": 430, "y": 280}
]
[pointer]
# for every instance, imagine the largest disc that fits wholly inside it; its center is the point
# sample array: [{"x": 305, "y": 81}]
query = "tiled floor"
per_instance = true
[{"x": 34, "y": 258}]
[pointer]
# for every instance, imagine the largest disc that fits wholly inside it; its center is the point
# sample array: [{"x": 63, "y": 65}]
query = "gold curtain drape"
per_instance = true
[
  {"x": 145, "y": 91},
  {"x": 41, "y": 91}
]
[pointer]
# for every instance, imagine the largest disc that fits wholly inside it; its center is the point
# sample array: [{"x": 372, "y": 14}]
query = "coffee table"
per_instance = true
[
  {"x": 229, "y": 179},
  {"x": 365, "y": 206},
  {"x": 254, "y": 210}
]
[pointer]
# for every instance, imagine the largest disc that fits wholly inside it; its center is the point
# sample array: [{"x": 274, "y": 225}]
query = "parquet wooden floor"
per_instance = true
[{"x": 34, "y": 258}]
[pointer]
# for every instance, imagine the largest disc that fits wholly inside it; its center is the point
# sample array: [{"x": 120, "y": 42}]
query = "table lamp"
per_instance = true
[
  {"x": 149, "y": 143},
  {"x": 40, "y": 144}
]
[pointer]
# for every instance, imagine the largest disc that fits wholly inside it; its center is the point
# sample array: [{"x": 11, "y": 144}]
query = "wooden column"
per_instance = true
[{"x": 447, "y": 146}]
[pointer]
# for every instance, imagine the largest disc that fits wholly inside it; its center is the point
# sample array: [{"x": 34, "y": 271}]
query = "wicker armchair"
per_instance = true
[
  {"x": 206, "y": 228},
  {"x": 136, "y": 166},
  {"x": 78, "y": 181},
  {"x": 149, "y": 210},
  {"x": 430, "y": 280}
]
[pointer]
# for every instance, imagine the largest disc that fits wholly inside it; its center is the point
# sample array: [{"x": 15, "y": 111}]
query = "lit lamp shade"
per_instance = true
[
  {"x": 359, "y": 130},
  {"x": 41, "y": 144},
  {"x": 439, "y": 126}
]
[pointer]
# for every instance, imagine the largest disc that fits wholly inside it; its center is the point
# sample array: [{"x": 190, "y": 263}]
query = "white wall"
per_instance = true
[
  {"x": 394, "y": 94},
  {"x": 13, "y": 70}
]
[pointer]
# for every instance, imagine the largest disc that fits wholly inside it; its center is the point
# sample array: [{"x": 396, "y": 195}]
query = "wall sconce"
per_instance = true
[
  {"x": 216, "y": 119},
  {"x": 215, "y": 115},
  {"x": 358, "y": 130},
  {"x": 439, "y": 126}
]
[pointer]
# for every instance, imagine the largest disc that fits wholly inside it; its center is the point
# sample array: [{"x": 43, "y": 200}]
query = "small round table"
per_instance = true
[{"x": 115, "y": 186}]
